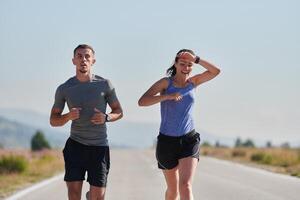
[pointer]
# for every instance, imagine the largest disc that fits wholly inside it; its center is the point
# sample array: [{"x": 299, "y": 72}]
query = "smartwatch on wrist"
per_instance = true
[
  {"x": 107, "y": 118},
  {"x": 197, "y": 60}
]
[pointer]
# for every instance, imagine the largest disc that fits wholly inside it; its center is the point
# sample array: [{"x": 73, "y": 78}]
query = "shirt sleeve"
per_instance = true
[
  {"x": 110, "y": 95},
  {"x": 59, "y": 101}
]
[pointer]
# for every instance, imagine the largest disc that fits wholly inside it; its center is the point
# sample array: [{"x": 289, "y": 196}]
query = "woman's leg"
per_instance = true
[
  {"x": 186, "y": 168},
  {"x": 172, "y": 178}
]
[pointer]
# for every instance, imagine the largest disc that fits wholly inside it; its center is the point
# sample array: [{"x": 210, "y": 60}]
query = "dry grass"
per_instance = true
[
  {"x": 41, "y": 165},
  {"x": 279, "y": 160}
]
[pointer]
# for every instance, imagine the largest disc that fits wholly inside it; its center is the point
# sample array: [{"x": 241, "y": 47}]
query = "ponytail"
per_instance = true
[{"x": 171, "y": 71}]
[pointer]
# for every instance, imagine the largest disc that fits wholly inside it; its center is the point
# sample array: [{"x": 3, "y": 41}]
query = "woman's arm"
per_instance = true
[
  {"x": 154, "y": 94},
  {"x": 211, "y": 72}
]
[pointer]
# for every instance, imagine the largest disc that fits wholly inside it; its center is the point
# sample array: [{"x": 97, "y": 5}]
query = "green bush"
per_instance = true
[
  {"x": 297, "y": 174},
  {"x": 257, "y": 157},
  {"x": 283, "y": 163},
  {"x": 262, "y": 158},
  {"x": 267, "y": 159},
  {"x": 12, "y": 164}
]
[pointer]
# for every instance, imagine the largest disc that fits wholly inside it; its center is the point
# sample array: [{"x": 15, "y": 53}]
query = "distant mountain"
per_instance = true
[
  {"x": 29, "y": 117},
  {"x": 18, "y": 126},
  {"x": 14, "y": 134},
  {"x": 17, "y": 135},
  {"x": 124, "y": 134}
]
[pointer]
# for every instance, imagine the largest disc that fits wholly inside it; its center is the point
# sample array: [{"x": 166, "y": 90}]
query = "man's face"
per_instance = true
[{"x": 83, "y": 60}]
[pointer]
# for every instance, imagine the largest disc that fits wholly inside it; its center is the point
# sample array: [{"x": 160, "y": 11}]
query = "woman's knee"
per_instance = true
[
  {"x": 172, "y": 193},
  {"x": 185, "y": 185}
]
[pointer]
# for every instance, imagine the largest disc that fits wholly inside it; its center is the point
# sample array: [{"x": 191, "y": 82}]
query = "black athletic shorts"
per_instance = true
[
  {"x": 80, "y": 159},
  {"x": 170, "y": 149}
]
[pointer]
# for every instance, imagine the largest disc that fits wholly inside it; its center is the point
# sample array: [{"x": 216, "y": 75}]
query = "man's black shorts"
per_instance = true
[
  {"x": 80, "y": 159},
  {"x": 170, "y": 149}
]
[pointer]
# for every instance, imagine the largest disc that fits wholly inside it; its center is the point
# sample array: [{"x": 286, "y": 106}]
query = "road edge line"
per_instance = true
[{"x": 36, "y": 186}]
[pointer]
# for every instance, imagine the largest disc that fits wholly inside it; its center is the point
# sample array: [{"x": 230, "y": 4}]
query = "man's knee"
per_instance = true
[
  {"x": 74, "y": 190},
  {"x": 97, "y": 192}
]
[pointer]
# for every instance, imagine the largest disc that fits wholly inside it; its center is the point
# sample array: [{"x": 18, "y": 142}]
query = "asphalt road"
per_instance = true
[{"x": 134, "y": 176}]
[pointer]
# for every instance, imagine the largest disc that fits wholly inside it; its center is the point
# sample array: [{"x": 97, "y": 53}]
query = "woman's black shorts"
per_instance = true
[
  {"x": 80, "y": 159},
  {"x": 170, "y": 149}
]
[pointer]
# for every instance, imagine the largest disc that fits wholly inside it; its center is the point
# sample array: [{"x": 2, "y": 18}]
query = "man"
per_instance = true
[{"x": 86, "y": 150}]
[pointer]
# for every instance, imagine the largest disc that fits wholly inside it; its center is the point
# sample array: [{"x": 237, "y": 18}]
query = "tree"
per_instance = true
[
  {"x": 39, "y": 142},
  {"x": 269, "y": 144},
  {"x": 248, "y": 143},
  {"x": 238, "y": 142}
]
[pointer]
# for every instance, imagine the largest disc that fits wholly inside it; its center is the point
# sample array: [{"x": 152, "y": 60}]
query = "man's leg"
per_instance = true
[
  {"x": 74, "y": 190},
  {"x": 98, "y": 170},
  {"x": 96, "y": 193},
  {"x": 74, "y": 168}
]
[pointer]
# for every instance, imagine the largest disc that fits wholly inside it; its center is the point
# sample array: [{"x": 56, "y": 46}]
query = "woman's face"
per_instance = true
[{"x": 184, "y": 63}]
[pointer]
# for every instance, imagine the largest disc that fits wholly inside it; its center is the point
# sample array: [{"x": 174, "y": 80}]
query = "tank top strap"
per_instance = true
[{"x": 170, "y": 82}]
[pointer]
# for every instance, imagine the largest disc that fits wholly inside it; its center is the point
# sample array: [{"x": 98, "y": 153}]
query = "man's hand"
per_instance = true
[
  {"x": 74, "y": 113},
  {"x": 98, "y": 117}
]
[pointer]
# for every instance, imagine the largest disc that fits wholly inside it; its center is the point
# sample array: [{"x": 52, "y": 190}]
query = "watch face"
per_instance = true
[{"x": 108, "y": 118}]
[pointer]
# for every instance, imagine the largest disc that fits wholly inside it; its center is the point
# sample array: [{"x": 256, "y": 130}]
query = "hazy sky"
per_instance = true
[{"x": 256, "y": 44}]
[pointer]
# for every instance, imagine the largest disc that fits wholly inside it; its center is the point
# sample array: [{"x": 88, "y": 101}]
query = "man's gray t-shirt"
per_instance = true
[{"x": 95, "y": 93}]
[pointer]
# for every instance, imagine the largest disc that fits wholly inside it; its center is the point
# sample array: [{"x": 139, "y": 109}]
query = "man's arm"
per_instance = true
[
  {"x": 115, "y": 114},
  {"x": 116, "y": 111},
  {"x": 59, "y": 119}
]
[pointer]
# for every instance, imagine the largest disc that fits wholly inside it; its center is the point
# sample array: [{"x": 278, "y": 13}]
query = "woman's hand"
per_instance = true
[
  {"x": 187, "y": 56},
  {"x": 175, "y": 96}
]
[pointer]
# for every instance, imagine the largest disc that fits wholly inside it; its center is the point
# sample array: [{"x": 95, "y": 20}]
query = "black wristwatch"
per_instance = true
[
  {"x": 197, "y": 60},
  {"x": 107, "y": 118}
]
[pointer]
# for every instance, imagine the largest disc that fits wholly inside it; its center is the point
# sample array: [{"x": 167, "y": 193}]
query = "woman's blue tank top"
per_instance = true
[{"x": 176, "y": 116}]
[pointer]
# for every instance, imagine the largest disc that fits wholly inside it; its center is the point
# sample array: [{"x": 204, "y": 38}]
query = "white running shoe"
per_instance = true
[{"x": 87, "y": 195}]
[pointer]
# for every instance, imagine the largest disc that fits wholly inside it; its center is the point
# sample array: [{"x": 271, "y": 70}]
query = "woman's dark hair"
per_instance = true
[{"x": 171, "y": 71}]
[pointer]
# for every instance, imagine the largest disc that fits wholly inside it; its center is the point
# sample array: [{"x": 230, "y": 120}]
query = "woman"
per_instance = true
[{"x": 177, "y": 150}]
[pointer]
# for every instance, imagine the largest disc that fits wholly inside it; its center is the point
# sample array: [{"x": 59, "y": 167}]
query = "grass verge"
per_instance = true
[
  {"x": 280, "y": 160},
  {"x": 31, "y": 167}
]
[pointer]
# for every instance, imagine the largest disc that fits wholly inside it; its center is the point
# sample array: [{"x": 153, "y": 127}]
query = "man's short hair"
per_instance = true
[{"x": 83, "y": 46}]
